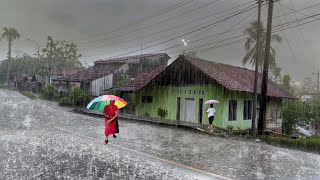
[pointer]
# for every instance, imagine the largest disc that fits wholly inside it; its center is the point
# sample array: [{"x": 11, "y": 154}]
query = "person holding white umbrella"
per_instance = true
[{"x": 211, "y": 111}]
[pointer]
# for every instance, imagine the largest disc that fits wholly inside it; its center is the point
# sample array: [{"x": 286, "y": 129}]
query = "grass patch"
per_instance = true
[
  {"x": 307, "y": 144},
  {"x": 29, "y": 94}
]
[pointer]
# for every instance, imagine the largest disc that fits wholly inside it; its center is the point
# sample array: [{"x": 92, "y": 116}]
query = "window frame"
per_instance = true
[
  {"x": 247, "y": 109},
  {"x": 233, "y": 104}
]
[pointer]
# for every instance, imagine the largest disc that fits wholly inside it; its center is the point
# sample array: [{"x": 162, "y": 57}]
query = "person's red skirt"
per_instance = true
[{"x": 111, "y": 128}]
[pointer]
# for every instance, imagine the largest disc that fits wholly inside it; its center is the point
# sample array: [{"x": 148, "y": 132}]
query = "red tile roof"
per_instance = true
[
  {"x": 235, "y": 78},
  {"x": 231, "y": 77},
  {"x": 129, "y": 58},
  {"x": 98, "y": 71}
]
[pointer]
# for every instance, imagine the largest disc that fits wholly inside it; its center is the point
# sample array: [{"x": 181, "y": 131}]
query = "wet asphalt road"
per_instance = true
[{"x": 40, "y": 140}]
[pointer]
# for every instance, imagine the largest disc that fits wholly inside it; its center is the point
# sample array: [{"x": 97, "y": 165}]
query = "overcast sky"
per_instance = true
[{"x": 90, "y": 24}]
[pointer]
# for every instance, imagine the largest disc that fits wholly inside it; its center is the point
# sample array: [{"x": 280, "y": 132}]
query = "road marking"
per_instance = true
[{"x": 151, "y": 156}]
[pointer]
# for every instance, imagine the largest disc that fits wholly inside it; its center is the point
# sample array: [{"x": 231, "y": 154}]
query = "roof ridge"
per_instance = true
[
  {"x": 215, "y": 62},
  {"x": 124, "y": 58}
]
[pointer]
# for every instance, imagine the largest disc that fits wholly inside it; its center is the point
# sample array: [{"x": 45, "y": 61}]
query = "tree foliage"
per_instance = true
[
  {"x": 295, "y": 112},
  {"x": 10, "y": 34},
  {"x": 61, "y": 54},
  {"x": 251, "y": 45},
  {"x": 79, "y": 97}
]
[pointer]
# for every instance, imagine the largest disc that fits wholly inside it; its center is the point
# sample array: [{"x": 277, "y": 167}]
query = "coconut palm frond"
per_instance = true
[
  {"x": 248, "y": 44},
  {"x": 273, "y": 52},
  {"x": 277, "y": 38},
  {"x": 248, "y": 56},
  {"x": 253, "y": 59}
]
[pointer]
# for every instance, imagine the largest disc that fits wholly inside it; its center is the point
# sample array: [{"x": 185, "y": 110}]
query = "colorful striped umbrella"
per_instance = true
[{"x": 100, "y": 102}]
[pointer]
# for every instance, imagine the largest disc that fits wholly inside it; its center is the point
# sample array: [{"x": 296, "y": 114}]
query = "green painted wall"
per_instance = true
[{"x": 166, "y": 97}]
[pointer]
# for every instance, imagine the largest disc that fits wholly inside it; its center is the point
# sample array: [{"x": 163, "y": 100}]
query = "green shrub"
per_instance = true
[
  {"x": 79, "y": 97},
  {"x": 48, "y": 92},
  {"x": 230, "y": 128},
  {"x": 147, "y": 114},
  {"x": 162, "y": 113},
  {"x": 65, "y": 101},
  {"x": 308, "y": 143},
  {"x": 2, "y": 85},
  {"x": 28, "y": 94}
]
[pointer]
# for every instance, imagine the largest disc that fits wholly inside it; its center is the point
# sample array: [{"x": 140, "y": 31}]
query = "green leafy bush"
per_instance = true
[
  {"x": 2, "y": 85},
  {"x": 162, "y": 113},
  {"x": 230, "y": 128},
  {"x": 65, "y": 101},
  {"x": 48, "y": 92},
  {"x": 79, "y": 97}
]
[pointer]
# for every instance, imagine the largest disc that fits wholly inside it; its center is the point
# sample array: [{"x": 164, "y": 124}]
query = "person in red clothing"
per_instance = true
[{"x": 110, "y": 111}]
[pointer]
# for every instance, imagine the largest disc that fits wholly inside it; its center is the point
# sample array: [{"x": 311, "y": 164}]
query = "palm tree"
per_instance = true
[
  {"x": 10, "y": 34},
  {"x": 251, "y": 48}
]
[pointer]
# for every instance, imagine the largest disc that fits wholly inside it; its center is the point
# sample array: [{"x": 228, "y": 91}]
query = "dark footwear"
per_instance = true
[
  {"x": 106, "y": 141},
  {"x": 114, "y": 136}
]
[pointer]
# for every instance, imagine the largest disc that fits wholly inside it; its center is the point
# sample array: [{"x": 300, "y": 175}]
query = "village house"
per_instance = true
[
  {"x": 182, "y": 88},
  {"x": 64, "y": 80},
  {"x": 111, "y": 73},
  {"x": 27, "y": 82}
]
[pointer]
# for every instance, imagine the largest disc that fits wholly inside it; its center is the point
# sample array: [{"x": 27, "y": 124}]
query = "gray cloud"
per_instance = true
[{"x": 90, "y": 20}]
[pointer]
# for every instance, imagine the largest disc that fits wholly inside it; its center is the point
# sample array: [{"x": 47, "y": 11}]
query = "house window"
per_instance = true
[
  {"x": 232, "y": 110},
  {"x": 247, "y": 109},
  {"x": 146, "y": 99}
]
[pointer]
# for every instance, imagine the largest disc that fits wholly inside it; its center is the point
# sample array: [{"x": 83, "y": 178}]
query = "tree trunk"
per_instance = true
[{"x": 9, "y": 62}]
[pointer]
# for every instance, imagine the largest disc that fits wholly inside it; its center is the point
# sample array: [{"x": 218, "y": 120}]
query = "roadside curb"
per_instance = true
[{"x": 176, "y": 124}]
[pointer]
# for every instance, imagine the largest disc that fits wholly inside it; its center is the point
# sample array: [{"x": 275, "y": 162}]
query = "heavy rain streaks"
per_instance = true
[
  {"x": 45, "y": 141},
  {"x": 37, "y": 150}
]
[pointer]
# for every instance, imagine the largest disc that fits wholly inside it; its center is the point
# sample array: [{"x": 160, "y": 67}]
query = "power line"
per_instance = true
[
  {"x": 289, "y": 25},
  {"x": 237, "y": 24},
  {"x": 175, "y": 6},
  {"x": 295, "y": 11},
  {"x": 190, "y": 28},
  {"x": 156, "y": 24},
  {"x": 214, "y": 14},
  {"x": 210, "y": 21},
  {"x": 188, "y": 32},
  {"x": 279, "y": 28},
  {"x": 287, "y": 40},
  {"x": 217, "y": 35}
]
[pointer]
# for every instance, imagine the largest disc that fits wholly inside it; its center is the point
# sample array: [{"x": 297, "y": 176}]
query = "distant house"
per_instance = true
[
  {"x": 74, "y": 80},
  {"x": 182, "y": 88},
  {"x": 109, "y": 73},
  {"x": 27, "y": 82},
  {"x": 61, "y": 80}
]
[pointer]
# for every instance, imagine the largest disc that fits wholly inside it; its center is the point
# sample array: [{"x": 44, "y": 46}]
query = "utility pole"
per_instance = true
[
  {"x": 264, "y": 87},
  {"x": 254, "y": 98}
]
